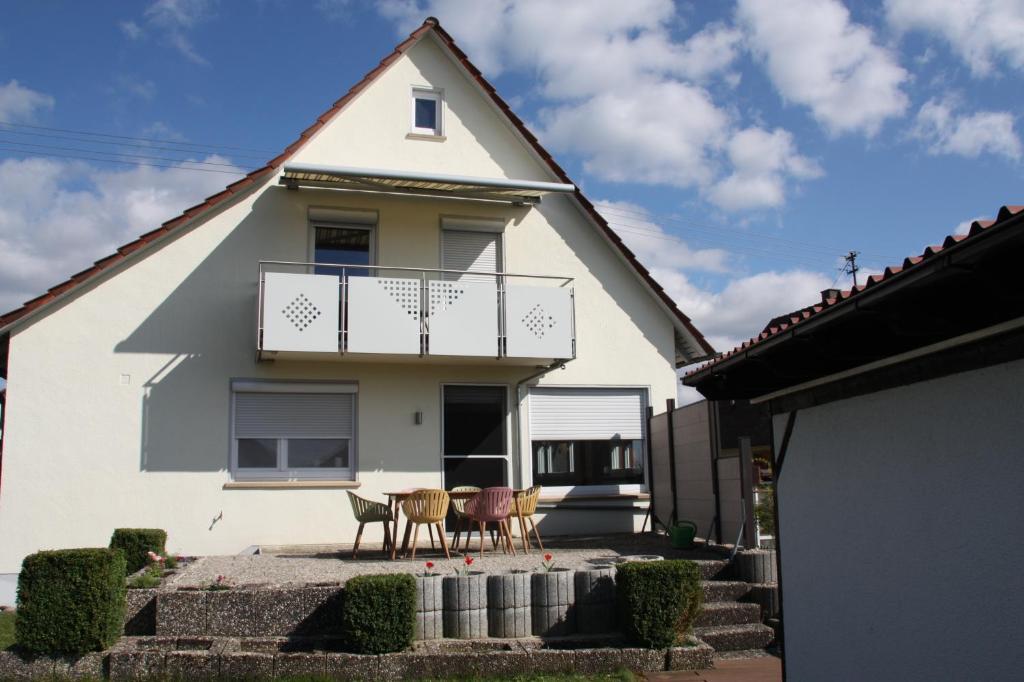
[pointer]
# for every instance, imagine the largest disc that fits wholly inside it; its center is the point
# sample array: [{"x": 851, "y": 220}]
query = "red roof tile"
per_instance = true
[
  {"x": 800, "y": 316},
  {"x": 260, "y": 173}
]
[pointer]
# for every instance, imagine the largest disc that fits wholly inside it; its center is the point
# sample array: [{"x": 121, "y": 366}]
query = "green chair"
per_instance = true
[
  {"x": 459, "y": 507},
  {"x": 367, "y": 511}
]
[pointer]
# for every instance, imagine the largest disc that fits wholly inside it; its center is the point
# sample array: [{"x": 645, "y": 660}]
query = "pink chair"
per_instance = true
[{"x": 490, "y": 505}]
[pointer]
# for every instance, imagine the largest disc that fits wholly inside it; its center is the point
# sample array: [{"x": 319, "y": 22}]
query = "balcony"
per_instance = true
[{"x": 323, "y": 311}]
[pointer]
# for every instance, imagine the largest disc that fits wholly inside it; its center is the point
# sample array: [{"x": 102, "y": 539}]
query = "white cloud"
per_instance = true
[
  {"x": 653, "y": 133},
  {"x": 653, "y": 246},
  {"x": 763, "y": 162},
  {"x": 741, "y": 310},
  {"x": 817, "y": 57},
  {"x": 131, "y": 29},
  {"x": 945, "y": 131},
  {"x": 19, "y": 104},
  {"x": 982, "y": 32},
  {"x": 57, "y": 217},
  {"x": 619, "y": 88},
  {"x": 965, "y": 226},
  {"x": 728, "y": 316},
  {"x": 170, "y": 20}
]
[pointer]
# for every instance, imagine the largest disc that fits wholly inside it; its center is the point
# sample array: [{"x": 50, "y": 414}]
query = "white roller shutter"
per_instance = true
[
  {"x": 587, "y": 413},
  {"x": 294, "y": 415},
  {"x": 475, "y": 250}
]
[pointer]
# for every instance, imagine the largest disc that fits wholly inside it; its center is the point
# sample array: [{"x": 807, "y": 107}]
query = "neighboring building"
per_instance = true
[
  {"x": 898, "y": 415},
  {"x": 230, "y": 374}
]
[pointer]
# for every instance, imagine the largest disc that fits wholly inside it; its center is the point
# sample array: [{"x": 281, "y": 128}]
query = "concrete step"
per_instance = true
[
  {"x": 710, "y": 568},
  {"x": 724, "y": 590},
  {"x": 736, "y": 637},
  {"x": 728, "y": 613}
]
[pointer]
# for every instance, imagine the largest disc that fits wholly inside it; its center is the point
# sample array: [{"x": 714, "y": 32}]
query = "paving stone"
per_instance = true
[
  {"x": 181, "y": 613},
  {"x": 310, "y": 664},
  {"x": 696, "y": 657},
  {"x": 736, "y": 637},
  {"x": 127, "y": 664},
  {"x": 92, "y": 666},
  {"x": 233, "y": 613},
  {"x": 251, "y": 665},
  {"x": 593, "y": 661},
  {"x": 192, "y": 665},
  {"x": 352, "y": 667},
  {"x": 16, "y": 667},
  {"x": 140, "y": 612}
]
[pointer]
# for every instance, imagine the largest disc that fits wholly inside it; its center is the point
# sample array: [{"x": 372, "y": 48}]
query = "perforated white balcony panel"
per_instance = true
[
  {"x": 383, "y": 315},
  {"x": 538, "y": 322},
  {"x": 463, "y": 318},
  {"x": 300, "y": 312}
]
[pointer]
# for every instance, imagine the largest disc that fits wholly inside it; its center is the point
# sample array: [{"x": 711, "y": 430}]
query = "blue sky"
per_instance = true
[{"x": 740, "y": 147}]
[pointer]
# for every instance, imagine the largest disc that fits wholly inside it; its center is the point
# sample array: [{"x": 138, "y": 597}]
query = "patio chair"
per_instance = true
[
  {"x": 425, "y": 507},
  {"x": 368, "y": 511},
  {"x": 490, "y": 505},
  {"x": 459, "y": 507},
  {"x": 526, "y": 502}
]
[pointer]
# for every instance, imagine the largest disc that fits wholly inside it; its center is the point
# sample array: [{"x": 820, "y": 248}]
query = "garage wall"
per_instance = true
[{"x": 902, "y": 514}]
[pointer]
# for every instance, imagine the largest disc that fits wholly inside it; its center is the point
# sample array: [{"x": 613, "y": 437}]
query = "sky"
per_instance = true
[{"x": 741, "y": 148}]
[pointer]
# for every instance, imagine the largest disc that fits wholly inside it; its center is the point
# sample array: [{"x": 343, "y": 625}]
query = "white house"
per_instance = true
[
  {"x": 412, "y": 294},
  {"x": 897, "y": 416}
]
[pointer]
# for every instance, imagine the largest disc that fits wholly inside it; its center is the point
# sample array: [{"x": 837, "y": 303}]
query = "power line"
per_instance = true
[
  {"x": 121, "y": 154},
  {"x": 136, "y": 139},
  {"x": 79, "y": 138},
  {"x": 124, "y": 163}
]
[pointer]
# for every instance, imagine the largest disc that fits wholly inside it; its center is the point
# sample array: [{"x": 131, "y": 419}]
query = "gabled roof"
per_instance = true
[
  {"x": 985, "y": 300},
  {"x": 684, "y": 326}
]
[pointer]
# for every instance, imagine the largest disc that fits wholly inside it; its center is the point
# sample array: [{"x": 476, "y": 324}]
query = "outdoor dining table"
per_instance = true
[{"x": 396, "y": 497}]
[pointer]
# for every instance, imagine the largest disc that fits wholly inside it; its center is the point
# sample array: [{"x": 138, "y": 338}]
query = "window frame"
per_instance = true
[
  {"x": 527, "y": 454},
  {"x": 282, "y": 472},
  {"x": 426, "y": 93}
]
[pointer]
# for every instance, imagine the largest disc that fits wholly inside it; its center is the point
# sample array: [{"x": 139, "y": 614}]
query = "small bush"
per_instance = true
[
  {"x": 379, "y": 613},
  {"x": 658, "y": 601},
  {"x": 70, "y": 601},
  {"x": 136, "y": 543},
  {"x": 149, "y": 579},
  {"x": 764, "y": 512}
]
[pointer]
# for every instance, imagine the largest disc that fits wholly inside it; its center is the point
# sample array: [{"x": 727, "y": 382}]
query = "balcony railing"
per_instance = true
[{"x": 373, "y": 309}]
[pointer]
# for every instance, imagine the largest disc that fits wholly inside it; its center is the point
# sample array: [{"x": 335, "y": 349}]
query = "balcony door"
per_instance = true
[{"x": 475, "y": 435}]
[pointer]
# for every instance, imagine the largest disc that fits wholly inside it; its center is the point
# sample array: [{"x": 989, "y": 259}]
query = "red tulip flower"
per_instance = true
[{"x": 469, "y": 561}]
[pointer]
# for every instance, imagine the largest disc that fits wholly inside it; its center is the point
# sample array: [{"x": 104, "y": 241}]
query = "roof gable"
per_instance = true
[{"x": 691, "y": 344}]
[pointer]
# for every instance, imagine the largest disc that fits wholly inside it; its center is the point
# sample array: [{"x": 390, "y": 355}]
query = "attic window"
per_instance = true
[{"x": 426, "y": 112}]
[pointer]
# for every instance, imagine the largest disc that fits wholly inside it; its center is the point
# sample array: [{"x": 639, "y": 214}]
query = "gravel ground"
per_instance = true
[{"x": 300, "y": 565}]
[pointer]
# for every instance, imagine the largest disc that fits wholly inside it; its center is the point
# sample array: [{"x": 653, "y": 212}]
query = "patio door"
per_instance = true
[{"x": 475, "y": 435}]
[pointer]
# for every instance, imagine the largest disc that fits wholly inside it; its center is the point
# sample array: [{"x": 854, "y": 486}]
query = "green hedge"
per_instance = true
[
  {"x": 658, "y": 601},
  {"x": 136, "y": 543},
  {"x": 379, "y": 613},
  {"x": 70, "y": 601}
]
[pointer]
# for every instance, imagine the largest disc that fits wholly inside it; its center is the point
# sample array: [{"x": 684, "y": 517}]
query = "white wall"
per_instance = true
[
  {"x": 901, "y": 517},
  {"x": 87, "y": 450}
]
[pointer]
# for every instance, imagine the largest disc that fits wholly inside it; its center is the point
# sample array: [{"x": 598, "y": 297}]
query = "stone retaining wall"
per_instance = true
[
  {"x": 227, "y": 658},
  {"x": 481, "y": 605}
]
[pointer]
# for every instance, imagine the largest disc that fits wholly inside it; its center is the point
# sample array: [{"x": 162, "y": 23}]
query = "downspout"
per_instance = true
[{"x": 557, "y": 364}]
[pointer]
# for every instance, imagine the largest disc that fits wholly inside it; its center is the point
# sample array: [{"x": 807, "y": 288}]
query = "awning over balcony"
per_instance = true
[{"x": 410, "y": 182}]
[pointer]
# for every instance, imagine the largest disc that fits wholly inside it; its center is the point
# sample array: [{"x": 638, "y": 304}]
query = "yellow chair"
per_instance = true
[
  {"x": 459, "y": 507},
  {"x": 425, "y": 507},
  {"x": 525, "y": 504},
  {"x": 367, "y": 511}
]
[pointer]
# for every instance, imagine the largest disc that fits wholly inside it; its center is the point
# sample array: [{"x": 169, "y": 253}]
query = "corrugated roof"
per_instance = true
[
  {"x": 262, "y": 173},
  {"x": 820, "y": 310}
]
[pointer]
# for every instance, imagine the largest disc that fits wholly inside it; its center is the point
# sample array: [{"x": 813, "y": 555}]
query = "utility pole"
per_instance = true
[{"x": 851, "y": 265}]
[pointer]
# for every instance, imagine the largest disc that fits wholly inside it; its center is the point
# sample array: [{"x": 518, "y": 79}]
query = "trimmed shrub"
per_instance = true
[
  {"x": 658, "y": 601},
  {"x": 378, "y": 615},
  {"x": 70, "y": 601},
  {"x": 136, "y": 543}
]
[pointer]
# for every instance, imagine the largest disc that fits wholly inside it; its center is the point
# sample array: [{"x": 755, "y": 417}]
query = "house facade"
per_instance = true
[
  {"x": 896, "y": 420},
  {"x": 412, "y": 294}
]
